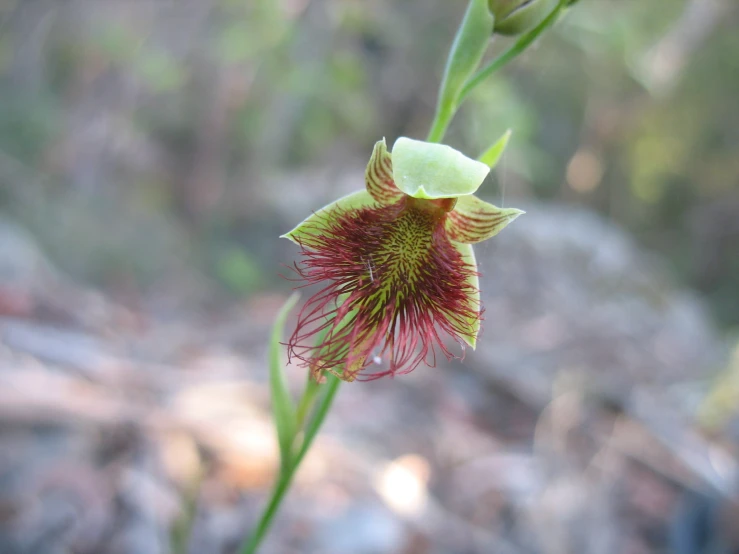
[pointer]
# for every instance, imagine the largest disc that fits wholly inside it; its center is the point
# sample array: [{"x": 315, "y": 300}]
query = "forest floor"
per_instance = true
[{"x": 144, "y": 426}]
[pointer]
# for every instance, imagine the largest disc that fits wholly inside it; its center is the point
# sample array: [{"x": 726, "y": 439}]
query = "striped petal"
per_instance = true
[
  {"x": 379, "y": 176},
  {"x": 473, "y": 220},
  {"x": 323, "y": 218}
]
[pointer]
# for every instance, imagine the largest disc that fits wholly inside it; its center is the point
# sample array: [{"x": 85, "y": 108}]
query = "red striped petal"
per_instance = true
[
  {"x": 473, "y": 220},
  {"x": 379, "y": 176}
]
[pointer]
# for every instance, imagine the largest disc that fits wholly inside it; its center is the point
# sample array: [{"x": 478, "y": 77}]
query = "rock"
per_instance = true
[
  {"x": 361, "y": 529},
  {"x": 32, "y": 287},
  {"x": 566, "y": 291}
]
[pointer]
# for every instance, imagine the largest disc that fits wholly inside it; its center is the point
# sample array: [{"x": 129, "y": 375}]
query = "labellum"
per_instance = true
[{"x": 395, "y": 264}]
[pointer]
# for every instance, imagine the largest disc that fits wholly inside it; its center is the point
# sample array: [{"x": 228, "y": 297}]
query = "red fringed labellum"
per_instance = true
[
  {"x": 397, "y": 272},
  {"x": 392, "y": 281}
]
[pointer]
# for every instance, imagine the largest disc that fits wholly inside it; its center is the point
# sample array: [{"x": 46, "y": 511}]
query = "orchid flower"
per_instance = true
[{"x": 396, "y": 264}]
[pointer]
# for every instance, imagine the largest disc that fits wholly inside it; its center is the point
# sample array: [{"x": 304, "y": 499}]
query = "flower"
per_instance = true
[{"x": 396, "y": 264}]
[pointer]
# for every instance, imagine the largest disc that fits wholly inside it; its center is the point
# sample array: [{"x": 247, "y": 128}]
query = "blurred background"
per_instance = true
[{"x": 151, "y": 152}]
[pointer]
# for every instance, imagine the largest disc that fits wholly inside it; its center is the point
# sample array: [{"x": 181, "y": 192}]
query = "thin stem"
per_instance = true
[
  {"x": 465, "y": 54},
  {"x": 286, "y": 476},
  {"x": 283, "y": 484},
  {"x": 445, "y": 111},
  {"x": 442, "y": 119},
  {"x": 520, "y": 45},
  {"x": 306, "y": 402},
  {"x": 332, "y": 387}
]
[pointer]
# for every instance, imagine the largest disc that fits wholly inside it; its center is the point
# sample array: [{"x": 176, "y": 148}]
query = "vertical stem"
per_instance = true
[
  {"x": 286, "y": 476},
  {"x": 451, "y": 97},
  {"x": 465, "y": 55},
  {"x": 443, "y": 117},
  {"x": 283, "y": 484},
  {"x": 518, "y": 47},
  {"x": 332, "y": 387},
  {"x": 306, "y": 402}
]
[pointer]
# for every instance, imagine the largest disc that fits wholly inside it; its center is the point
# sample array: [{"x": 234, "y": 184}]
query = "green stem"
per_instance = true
[
  {"x": 306, "y": 402},
  {"x": 283, "y": 485},
  {"x": 446, "y": 109},
  {"x": 442, "y": 119},
  {"x": 286, "y": 476},
  {"x": 332, "y": 387},
  {"x": 519, "y": 46},
  {"x": 465, "y": 54}
]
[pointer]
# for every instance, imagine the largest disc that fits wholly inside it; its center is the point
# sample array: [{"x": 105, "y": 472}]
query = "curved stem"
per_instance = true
[
  {"x": 446, "y": 111},
  {"x": 286, "y": 476},
  {"x": 520, "y": 45},
  {"x": 283, "y": 484},
  {"x": 465, "y": 54}
]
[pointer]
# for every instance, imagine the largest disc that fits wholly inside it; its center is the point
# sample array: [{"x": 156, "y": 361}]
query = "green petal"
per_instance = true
[
  {"x": 379, "y": 176},
  {"x": 321, "y": 219},
  {"x": 473, "y": 220},
  {"x": 492, "y": 155},
  {"x": 471, "y": 326},
  {"x": 429, "y": 170}
]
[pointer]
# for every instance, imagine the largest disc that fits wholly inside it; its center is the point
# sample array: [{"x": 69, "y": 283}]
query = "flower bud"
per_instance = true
[{"x": 513, "y": 17}]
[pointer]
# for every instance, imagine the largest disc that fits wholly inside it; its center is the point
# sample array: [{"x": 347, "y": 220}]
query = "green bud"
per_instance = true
[{"x": 513, "y": 17}]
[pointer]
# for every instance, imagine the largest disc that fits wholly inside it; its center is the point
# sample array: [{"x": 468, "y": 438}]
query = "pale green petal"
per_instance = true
[
  {"x": 471, "y": 327},
  {"x": 379, "y": 176},
  {"x": 473, "y": 220},
  {"x": 429, "y": 170},
  {"x": 321, "y": 219},
  {"x": 492, "y": 155}
]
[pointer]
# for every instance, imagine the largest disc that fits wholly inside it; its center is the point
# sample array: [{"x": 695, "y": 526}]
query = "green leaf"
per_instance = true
[
  {"x": 321, "y": 219},
  {"x": 492, "y": 155},
  {"x": 430, "y": 170},
  {"x": 283, "y": 408}
]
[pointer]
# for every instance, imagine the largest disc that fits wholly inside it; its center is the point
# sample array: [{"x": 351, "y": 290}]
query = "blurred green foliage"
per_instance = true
[
  {"x": 183, "y": 112},
  {"x": 239, "y": 270}
]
